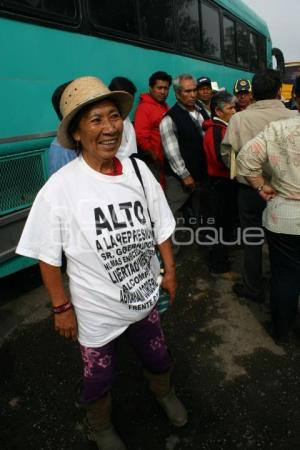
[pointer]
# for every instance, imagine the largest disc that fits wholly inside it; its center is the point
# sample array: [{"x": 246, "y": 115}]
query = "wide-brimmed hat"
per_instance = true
[{"x": 81, "y": 92}]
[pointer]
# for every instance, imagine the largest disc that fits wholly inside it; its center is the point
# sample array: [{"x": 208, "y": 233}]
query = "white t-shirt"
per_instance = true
[
  {"x": 128, "y": 145},
  {"x": 102, "y": 224}
]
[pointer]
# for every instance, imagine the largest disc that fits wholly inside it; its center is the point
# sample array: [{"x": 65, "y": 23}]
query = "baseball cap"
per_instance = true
[
  {"x": 241, "y": 86},
  {"x": 202, "y": 81}
]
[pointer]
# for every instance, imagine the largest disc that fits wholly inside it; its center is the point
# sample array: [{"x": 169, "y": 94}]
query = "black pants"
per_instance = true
[
  {"x": 251, "y": 207},
  {"x": 285, "y": 279},
  {"x": 223, "y": 210},
  {"x": 195, "y": 210}
]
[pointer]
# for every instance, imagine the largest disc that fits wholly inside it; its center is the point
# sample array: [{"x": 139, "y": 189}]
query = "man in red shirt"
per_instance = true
[{"x": 150, "y": 110}]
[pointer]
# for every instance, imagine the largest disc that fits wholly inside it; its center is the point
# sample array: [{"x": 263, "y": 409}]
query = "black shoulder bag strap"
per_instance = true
[
  {"x": 163, "y": 301},
  {"x": 138, "y": 174}
]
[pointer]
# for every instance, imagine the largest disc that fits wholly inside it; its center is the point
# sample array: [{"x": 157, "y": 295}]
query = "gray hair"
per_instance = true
[
  {"x": 220, "y": 99},
  {"x": 177, "y": 81}
]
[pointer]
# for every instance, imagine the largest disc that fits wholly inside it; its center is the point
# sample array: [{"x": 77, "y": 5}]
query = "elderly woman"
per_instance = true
[
  {"x": 279, "y": 146},
  {"x": 96, "y": 211},
  {"x": 221, "y": 189}
]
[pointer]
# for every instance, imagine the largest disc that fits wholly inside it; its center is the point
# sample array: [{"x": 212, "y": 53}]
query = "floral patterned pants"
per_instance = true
[{"x": 148, "y": 340}]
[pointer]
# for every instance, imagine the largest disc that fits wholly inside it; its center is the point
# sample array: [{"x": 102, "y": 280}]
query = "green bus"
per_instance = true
[{"x": 45, "y": 43}]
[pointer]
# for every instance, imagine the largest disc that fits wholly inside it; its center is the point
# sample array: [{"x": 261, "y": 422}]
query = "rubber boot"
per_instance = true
[
  {"x": 165, "y": 395},
  {"x": 99, "y": 419}
]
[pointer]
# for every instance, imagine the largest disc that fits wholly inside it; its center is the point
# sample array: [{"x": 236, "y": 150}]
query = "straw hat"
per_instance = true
[{"x": 81, "y": 92}]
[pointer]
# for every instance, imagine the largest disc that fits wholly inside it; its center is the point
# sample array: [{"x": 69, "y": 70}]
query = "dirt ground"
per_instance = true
[{"x": 242, "y": 391}]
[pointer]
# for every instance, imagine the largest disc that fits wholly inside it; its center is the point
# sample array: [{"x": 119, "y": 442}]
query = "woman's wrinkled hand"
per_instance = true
[
  {"x": 65, "y": 324},
  {"x": 169, "y": 284}
]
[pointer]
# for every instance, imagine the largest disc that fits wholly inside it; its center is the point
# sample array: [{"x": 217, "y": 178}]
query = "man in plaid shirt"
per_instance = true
[{"x": 182, "y": 139}]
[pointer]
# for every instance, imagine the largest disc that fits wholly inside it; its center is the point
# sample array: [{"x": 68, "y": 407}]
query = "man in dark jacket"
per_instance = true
[
  {"x": 150, "y": 110},
  {"x": 182, "y": 139},
  {"x": 222, "y": 190}
]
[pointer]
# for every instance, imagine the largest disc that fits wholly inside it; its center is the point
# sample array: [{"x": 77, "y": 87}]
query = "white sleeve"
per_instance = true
[
  {"x": 128, "y": 144},
  {"x": 160, "y": 213},
  {"x": 42, "y": 235}
]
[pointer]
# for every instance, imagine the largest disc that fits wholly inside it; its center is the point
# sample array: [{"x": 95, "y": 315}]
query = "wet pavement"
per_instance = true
[{"x": 242, "y": 391}]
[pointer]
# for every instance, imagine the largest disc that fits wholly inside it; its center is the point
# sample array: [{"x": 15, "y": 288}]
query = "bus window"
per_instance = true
[
  {"x": 157, "y": 20},
  {"x": 118, "y": 15},
  {"x": 262, "y": 53},
  {"x": 189, "y": 27},
  {"x": 211, "y": 45},
  {"x": 229, "y": 40},
  {"x": 242, "y": 45},
  {"x": 64, "y": 9},
  {"x": 253, "y": 52}
]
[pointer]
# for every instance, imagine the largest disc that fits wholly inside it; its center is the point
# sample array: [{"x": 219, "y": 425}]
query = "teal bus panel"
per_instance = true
[{"x": 15, "y": 264}]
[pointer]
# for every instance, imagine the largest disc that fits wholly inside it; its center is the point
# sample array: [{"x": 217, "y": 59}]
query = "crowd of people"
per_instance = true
[{"x": 117, "y": 190}]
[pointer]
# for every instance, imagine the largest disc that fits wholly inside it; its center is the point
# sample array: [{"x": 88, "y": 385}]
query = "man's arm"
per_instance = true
[
  {"x": 59, "y": 156},
  {"x": 250, "y": 161},
  {"x": 172, "y": 152},
  {"x": 143, "y": 130}
]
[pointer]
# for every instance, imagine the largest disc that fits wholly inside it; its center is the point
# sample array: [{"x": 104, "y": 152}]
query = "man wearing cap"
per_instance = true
[
  {"x": 243, "y": 91},
  {"x": 204, "y": 95},
  {"x": 243, "y": 127}
]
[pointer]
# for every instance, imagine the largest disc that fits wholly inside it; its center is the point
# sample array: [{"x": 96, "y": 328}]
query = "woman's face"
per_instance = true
[
  {"x": 227, "y": 112},
  {"x": 99, "y": 133}
]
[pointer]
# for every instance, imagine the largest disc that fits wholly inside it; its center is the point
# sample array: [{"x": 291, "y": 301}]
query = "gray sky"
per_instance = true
[{"x": 282, "y": 17}]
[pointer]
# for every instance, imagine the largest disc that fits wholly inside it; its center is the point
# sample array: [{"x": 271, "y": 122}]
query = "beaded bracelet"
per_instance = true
[{"x": 62, "y": 308}]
